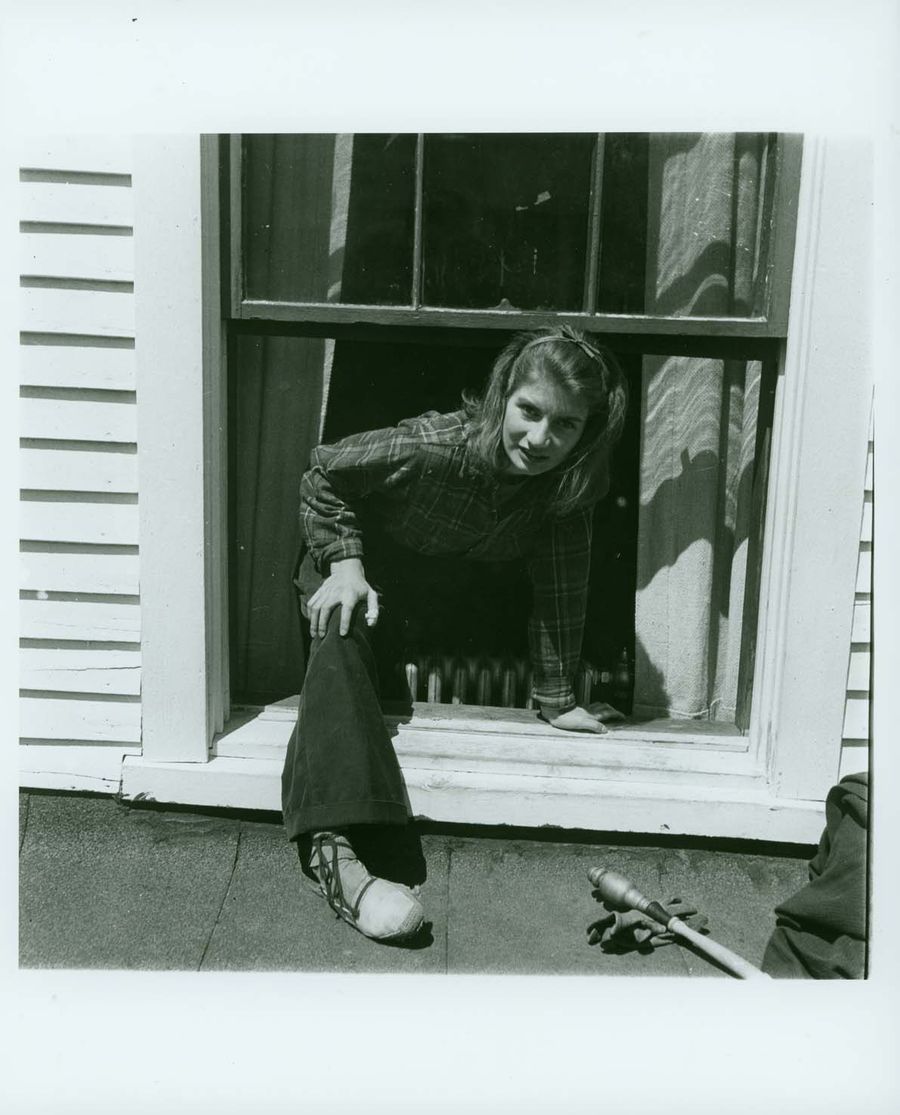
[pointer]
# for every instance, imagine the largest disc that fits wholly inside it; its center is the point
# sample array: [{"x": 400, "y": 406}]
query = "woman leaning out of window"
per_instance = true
[{"x": 513, "y": 475}]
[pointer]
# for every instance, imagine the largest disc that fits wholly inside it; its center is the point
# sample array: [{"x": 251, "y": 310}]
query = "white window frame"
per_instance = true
[{"x": 769, "y": 784}]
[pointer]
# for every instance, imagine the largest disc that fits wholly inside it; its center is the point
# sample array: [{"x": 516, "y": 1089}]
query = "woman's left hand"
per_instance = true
[{"x": 578, "y": 719}]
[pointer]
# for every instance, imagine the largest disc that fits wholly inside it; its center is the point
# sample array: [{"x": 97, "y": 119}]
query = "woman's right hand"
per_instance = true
[{"x": 345, "y": 587}]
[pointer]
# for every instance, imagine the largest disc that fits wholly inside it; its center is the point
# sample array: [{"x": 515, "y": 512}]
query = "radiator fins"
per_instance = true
[{"x": 494, "y": 682}]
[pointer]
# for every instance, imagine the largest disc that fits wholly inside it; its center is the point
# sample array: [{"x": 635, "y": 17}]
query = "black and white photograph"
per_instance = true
[{"x": 446, "y": 561}]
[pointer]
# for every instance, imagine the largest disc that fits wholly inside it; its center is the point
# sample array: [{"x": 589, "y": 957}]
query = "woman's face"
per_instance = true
[{"x": 541, "y": 426}]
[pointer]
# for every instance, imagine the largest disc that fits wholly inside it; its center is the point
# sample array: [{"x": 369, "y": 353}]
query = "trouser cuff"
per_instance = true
[{"x": 336, "y": 815}]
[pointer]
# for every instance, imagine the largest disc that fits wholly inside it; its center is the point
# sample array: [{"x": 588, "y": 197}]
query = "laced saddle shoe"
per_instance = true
[{"x": 379, "y": 909}]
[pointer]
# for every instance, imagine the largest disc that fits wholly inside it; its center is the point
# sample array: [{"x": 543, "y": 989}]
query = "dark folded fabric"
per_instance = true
[{"x": 822, "y": 930}]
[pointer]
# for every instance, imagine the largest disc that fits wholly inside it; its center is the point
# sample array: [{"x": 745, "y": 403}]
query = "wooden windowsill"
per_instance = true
[
  {"x": 445, "y": 740},
  {"x": 525, "y": 722}
]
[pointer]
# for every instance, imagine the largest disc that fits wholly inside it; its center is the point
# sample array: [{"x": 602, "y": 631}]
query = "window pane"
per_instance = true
[
  {"x": 505, "y": 220},
  {"x": 329, "y": 218},
  {"x": 684, "y": 224}
]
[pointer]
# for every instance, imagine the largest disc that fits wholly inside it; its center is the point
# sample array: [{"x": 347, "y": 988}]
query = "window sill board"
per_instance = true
[
  {"x": 516, "y": 743},
  {"x": 525, "y": 722},
  {"x": 504, "y": 767},
  {"x": 481, "y": 797}
]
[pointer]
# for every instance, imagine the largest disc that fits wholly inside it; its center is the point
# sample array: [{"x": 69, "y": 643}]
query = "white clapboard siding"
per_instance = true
[
  {"x": 854, "y": 746},
  {"x": 78, "y": 463},
  {"x": 105, "y": 721},
  {"x": 76, "y": 203},
  {"x": 856, "y": 717},
  {"x": 88, "y": 154},
  {"x": 101, "y": 524},
  {"x": 77, "y": 620},
  {"x": 62, "y": 256},
  {"x": 71, "y": 470},
  {"x": 854, "y": 757},
  {"x": 862, "y": 622},
  {"x": 78, "y": 420},
  {"x": 866, "y": 535},
  {"x": 97, "y": 313},
  {"x": 864, "y": 571},
  {"x": 103, "y": 574},
  {"x": 67, "y": 765},
  {"x": 61, "y": 670},
  {"x": 105, "y": 369},
  {"x": 858, "y": 677}
]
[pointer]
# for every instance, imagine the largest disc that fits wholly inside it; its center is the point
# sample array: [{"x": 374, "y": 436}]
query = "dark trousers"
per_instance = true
[
  {"x": 821, "y": 932},
  {"x": 341, "y": 769}
]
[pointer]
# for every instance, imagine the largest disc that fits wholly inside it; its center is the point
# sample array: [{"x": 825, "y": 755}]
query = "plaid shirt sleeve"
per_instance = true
[
  {"x": 339, "y": 477},
  {"x": 560, "y": 569}
]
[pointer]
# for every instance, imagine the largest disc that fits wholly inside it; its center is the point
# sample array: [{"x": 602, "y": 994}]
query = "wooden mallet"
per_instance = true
[{"x": 620, "y": 893}]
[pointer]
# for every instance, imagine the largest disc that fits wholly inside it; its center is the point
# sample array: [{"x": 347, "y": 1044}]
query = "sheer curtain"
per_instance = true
[
  {"x": 698, "y": 439},
  {"x": 279, "y": 397}
]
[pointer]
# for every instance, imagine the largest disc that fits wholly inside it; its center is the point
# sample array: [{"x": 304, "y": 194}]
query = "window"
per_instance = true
[{"x": 374, "y": 276}]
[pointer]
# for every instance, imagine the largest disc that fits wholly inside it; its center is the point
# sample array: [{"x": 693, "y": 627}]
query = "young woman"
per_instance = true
[{"x": 514, "y": 476}]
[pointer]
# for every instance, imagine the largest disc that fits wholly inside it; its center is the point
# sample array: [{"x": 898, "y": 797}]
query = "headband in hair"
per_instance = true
[{"x": 583, "y": 345}]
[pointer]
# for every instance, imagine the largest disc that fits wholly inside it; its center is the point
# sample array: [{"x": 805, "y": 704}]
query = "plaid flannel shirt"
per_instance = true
[{"x": 421, "y": 483}]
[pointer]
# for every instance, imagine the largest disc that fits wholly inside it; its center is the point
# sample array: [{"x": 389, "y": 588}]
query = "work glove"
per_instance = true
[{"x": 632, "y": 931}]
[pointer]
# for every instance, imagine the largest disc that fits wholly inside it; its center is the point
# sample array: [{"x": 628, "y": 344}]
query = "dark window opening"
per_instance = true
[{"x": 276, "y": 404}]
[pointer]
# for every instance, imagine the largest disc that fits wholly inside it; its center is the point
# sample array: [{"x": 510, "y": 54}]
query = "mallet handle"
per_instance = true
[{"x": 735, "y": 964}]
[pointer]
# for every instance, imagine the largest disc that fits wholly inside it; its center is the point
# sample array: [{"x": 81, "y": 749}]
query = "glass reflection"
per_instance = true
[
  {"x": 505, "y": 220},
  {"x": 329, "y": 218},
  {"x": 684, "y": 224}
]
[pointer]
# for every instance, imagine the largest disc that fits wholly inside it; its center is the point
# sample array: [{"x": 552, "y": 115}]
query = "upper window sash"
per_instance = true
[{"x": 767, "y": 320}]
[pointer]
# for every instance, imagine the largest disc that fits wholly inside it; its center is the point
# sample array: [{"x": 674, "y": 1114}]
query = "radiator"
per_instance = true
[{"x": 498, "y": 682}]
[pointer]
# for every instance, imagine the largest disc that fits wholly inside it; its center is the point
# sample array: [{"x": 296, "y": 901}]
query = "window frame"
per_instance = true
[
  {"x": 760, "y": 337},
  {"x": 774, "y": 789}
]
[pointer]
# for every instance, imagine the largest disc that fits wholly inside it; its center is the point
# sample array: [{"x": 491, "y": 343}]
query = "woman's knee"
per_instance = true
[{"x": 359, "y": 636}]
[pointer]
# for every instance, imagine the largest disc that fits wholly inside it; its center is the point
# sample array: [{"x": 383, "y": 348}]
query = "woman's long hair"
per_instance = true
[{"x": 589, "y": 371}]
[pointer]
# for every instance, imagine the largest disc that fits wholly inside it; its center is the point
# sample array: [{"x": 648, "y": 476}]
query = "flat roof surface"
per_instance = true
[{"x": 113, "y": 886}]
